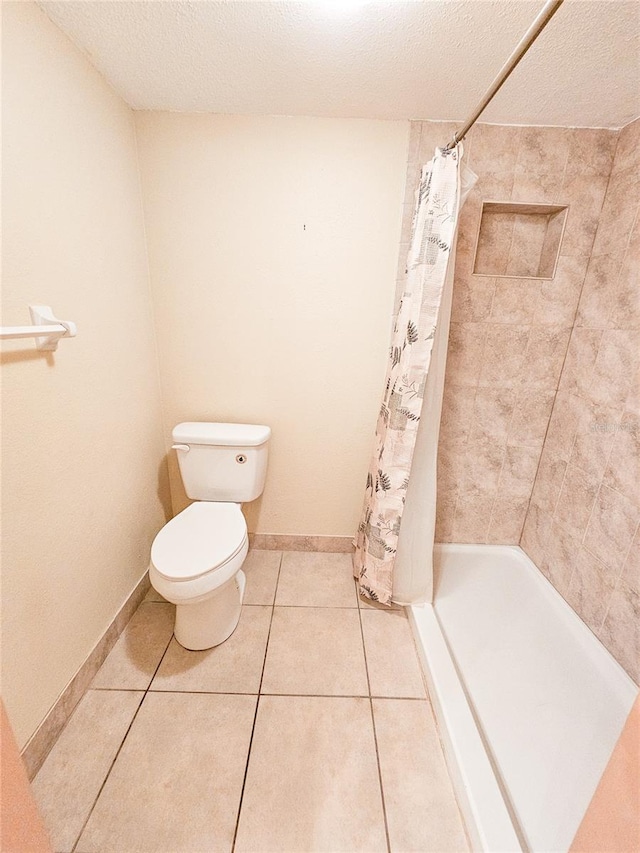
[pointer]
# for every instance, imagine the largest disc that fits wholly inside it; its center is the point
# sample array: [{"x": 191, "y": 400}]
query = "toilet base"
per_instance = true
[{"x": 209, "y": 622}]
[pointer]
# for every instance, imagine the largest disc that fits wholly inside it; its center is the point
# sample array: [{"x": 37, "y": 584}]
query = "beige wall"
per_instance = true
[
  {"x": 582, "y": 525},
  {"x": 273, "y": 247},
  {"x": 82, "y": 442}
]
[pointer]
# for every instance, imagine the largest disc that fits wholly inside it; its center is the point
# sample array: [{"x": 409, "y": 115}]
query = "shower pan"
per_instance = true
[{"x": 530, "y": 704}]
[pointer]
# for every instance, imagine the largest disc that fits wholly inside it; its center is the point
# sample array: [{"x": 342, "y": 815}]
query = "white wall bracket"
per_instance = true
[{"x": 46, "y": 329}]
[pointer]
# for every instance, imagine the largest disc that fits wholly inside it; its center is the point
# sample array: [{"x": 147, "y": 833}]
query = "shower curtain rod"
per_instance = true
[{"x": 547, "y": 12}]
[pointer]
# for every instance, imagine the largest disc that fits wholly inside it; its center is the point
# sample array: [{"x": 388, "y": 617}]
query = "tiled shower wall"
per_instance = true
[
  {"x": 582, "y": 526},
  {"x": 540, "y": 433},
  {"x": 509, "y": 336}
]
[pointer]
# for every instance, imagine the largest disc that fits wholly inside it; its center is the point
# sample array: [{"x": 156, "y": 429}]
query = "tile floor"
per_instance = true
[{"x": 308, "y": 730}]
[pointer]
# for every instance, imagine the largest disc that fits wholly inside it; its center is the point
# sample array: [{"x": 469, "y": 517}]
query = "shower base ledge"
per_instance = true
[{"x": 529, "y": 703}]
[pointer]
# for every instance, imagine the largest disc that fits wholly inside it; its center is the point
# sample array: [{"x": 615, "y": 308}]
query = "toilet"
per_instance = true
[{"x": 196, "y": 559}]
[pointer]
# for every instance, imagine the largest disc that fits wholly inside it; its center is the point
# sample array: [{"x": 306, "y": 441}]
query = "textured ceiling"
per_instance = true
[{"x": 429, "y": 59}]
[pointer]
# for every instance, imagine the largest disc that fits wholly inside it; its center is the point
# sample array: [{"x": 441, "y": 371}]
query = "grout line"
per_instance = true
[
  {"x": 117, "y": 690},
  {"x": 375, "y": 736},
  {"x": 255, "y": 716},
  {"x": 119, "y": 750},
  {"x": 289, "y": 695},
  {"x": 311, "y": 606},
  {"x": 291, "y": 606}
]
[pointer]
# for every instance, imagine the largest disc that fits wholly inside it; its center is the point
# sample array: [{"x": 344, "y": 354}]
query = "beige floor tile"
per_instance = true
[
  {"x": 315, "y": 651},
  {"x": 234, "y": 666},
  {"x": 312, "y": 782},
  {"x": 153, "y": 595},
  {"x": 69, "y": 780},
  {"x": 134, "y": 658},
  {"x": 176, "y": 784},
  {"x": 316, "y": 580},
  {"x": 261, "y": 569},
  {"x": 422, "y": 813},
  {"x": 394, "y": 669},
  {"x": 370, "y": 604}
]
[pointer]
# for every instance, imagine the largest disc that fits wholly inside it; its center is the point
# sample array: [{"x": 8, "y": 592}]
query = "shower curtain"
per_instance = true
[{"x": 439, "y": 198}]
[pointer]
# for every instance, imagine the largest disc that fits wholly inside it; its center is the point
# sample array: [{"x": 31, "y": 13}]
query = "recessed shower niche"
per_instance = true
[{"x": 519, "y": 240}]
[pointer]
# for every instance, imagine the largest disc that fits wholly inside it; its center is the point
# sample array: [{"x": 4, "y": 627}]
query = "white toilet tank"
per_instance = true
[{"x": 222, "y": 462}]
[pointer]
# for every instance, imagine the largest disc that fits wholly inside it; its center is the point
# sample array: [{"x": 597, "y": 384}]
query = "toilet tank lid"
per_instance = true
[{"x": 224, "y": 435}]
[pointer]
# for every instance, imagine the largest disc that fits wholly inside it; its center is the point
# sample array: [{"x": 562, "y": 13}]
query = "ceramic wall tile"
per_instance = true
[
  {"x": 457, "y": 414},
  {"x": 472, "y": 298},
  {"x": 611, "y": 528},
  {"x": 618, "y": 213},
  {"x": 507, "y": 518},
  {"x": 562, "y": 550},
  {"x": 531, "y": 416},
  {"x": 544, "y": 149},
  {"x": 591, "y": 151},
  {"x": 518, "y": 471},
  {"x": 577, "y": 373},
  {"x": 626, "y": 154},
  {"x": 510, "y": 335},
  {"x": 472, "y": 518},
  {"x": 464, "y": 359},
  {"x": 503, "y": 358},
  {"x": 434, "y": 134},
  {"x": 451, "y": 460},
  {"x": 492, "y": 413},
  {"x": 621, "y": 629},
  {"x": 538, "y": 187},
  {"x": 527, "y": 245},
  {"x": 631, "y": 570},
  {"x": 546, "y": 352},
  {"x": 615, "y": 367},
  {"x": 494, "y": 243},
  {"x": 576, "y": 500},
  {"x": 495, "y": 148},
  {"x": 590, "y": 589},
  {"x": 594, "y": 437},
  {"x": 623, "y": 464},
  {"x": 551, "y": 244},
  {"x": 600, "y": 282},
  {"x": 595, "y": 422},
  {"x": 515, "y": 300},
  {"x": 559, "y": 297},
  {"x": 625, "y": 304},
  {"x": 482, "y": 466},
  {"x": 549, "y": 480},
  {"x": 584, "y": 195},
  {"x": 563, "y": 424},
  {"x": 445, "y": 514},
  {"x": 535, "y": 533}
]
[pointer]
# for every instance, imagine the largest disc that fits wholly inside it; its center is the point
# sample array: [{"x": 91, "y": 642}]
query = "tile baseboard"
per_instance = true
[
  {"x": 42, "y": 740},
  {"x": 299, "y": 542}
]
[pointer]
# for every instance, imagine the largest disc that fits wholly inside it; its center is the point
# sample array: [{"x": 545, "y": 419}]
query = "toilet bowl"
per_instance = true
[
  {"x": 196, "y": 564},
  {"x": 197, "y": 557}
]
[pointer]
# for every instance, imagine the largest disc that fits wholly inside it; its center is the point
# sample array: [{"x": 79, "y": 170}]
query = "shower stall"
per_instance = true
[{"x": 530, "y": 419}]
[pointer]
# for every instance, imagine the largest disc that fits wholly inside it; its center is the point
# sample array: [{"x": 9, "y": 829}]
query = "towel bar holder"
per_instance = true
[{"x": 46, "y": 329}]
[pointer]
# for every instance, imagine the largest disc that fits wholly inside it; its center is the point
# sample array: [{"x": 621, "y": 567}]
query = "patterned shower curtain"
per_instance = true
[{"x": 433, "y": 233}]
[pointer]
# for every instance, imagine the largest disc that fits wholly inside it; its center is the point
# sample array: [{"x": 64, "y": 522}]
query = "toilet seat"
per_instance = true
[{"x": 202, "y": 539}]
